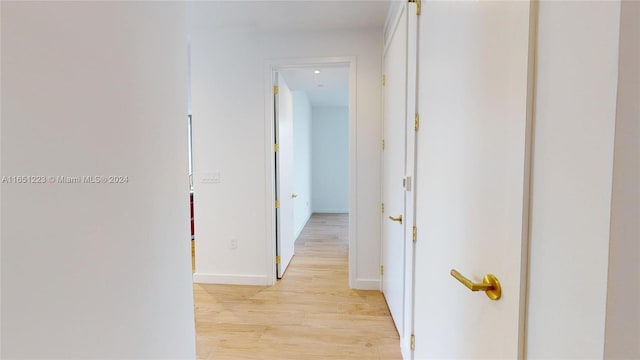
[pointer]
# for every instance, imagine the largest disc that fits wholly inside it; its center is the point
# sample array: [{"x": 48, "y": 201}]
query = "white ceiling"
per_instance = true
[
  {"x": 304, "y": 15},
  {"x": 329, "y": 88},
  {"x": 300, "y": 14}
]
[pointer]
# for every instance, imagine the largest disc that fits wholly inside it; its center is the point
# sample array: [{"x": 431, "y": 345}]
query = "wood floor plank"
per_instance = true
[{"x": 310, "y": 314}]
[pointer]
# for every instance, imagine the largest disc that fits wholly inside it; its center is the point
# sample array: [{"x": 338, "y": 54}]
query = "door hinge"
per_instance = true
[
  {"x": 278, "y": 259},
  {"x": 382, "y": 144},
  {"x": 275, "y": 90},
  {"x": 384, "y": 80},
  {"x": 381, "y": 269},
  {"x": 276, "y": 147},
  {"x": 418, "y": 6},
  {"x": 413, "y": 342},
  {"x": 382, "y": 207},
  {"x": 277, "y": 204},
  {"x": 416, "y": 124},
  {"x": 415, "y": 234}
]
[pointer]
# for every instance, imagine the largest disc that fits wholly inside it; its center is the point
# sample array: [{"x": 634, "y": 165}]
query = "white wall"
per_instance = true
[
  {"x": 95, "y": 270},
  {"x": 577, "y": 78},
  {"x": 228, "y": 75},
  {"x": 301, "y": 159},
  {"x": 623, "y": 302},
  {"x": 330, "y": 159}
]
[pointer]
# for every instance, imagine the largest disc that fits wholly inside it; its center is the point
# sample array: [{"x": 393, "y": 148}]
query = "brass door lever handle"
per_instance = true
[
  {"x": 398, "y": 219},
  {"x": 490, "y": 284}
]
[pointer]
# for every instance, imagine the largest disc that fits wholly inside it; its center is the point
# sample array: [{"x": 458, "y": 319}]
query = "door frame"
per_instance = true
[{"x": 270, "y": 67}]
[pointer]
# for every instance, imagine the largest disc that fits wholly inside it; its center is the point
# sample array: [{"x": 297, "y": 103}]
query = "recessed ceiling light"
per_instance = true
[{"x": 316, "y": 71}]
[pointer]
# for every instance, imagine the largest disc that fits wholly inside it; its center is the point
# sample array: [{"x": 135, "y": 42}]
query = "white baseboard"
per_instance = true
[
  {"x": 302, "y": 227},
  {"x": 366, "y": 284},
  {"x": 331, "y": 211},
  {"x": 230, "y": 279}
]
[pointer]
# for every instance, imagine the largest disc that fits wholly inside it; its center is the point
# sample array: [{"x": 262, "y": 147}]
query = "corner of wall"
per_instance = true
[{"x": 366, "y": 284}]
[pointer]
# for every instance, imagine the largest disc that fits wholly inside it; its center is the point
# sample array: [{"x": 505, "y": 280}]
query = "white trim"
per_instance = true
[
  {"x": 366, "y": 284},
  {"x": 405, "y": 349},
  {"x": 331, "y": 211},
  {"x": 233, "y": 279},
  {"x": 527, "y": 207},
  {"x": 353, "y": 174},
  {"x": 411, "y": 147},
  {"x": 270, "y": 67},
  {"x": 270, "y": 249}
]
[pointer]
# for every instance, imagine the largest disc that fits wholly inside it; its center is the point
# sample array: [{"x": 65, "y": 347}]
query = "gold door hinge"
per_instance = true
[
  {"x": 417, "y": 122},
  {"x": 276, "y": 147},
  {"x": 415, "y": 234},
  {"x": 277, "y": 204},
  {"x": 418, "y": 6},
  {"x": 275, "y": 90},
  {"x": 413, "y": 342},
  {"x": 381, "y": 270},
  {"x": 278, "y": 259},
  {"x": 384, "y": 80},
  {"x": 382, "y": 207},
  {"x": 382, "y": 144}
]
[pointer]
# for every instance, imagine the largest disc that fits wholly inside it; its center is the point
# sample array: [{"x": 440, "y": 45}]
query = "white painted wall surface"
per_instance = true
[
  {"x": 623, "y": 303},
  {"x": 228, "y": 71},
  {"x": 95, "y": 270},
  {"x": 577, "y": 77},
  {"x": 301, "y": 160},
  {"x": 330, "y": 159}
]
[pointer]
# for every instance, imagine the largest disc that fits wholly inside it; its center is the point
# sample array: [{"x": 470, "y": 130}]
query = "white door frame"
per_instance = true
[{"x": 270, "y": 67}]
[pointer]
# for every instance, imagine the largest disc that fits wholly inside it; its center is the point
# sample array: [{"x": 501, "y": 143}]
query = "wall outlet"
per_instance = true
[{"x": 233, "y": 244}]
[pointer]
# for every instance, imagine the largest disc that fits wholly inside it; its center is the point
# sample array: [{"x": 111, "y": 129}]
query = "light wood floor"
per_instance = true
[{"x": 310, "y": 314}]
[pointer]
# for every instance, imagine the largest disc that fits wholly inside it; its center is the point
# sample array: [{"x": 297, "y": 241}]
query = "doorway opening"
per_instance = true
[
  {"x": 193, "y": 233},
  {"x": 190, "y": 152},
  {"x": 311, "y": 114}
]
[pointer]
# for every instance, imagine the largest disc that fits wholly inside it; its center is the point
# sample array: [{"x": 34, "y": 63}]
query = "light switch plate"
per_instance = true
[
  {"x": 210, "y": 178},
  {"x": 406, "y": 183}
]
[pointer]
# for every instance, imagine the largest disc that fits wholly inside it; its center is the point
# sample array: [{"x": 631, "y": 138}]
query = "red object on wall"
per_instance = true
[{"x": 193, "y": 233}]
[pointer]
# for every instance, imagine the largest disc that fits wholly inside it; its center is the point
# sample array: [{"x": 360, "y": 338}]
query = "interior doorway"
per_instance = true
[
  {"x": 311, "y": 153},
  {"x": 192, "y": 221},
  {"x": 190, "y": 152}
]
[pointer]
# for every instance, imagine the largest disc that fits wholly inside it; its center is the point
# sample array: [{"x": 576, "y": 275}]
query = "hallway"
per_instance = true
[{"x": 310, "y": 314}]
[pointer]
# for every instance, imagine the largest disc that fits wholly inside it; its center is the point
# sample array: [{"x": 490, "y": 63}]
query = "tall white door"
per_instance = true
[
  {"x": 472, "y": 177},
  {"x": 395, "y": 78},
  {"x": 284, "y": 176}
]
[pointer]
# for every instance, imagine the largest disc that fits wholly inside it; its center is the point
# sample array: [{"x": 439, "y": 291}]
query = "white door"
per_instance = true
[
  {"x": 472, "y": 177},
  {"x": 284, "y": 176},
  {"x": 394, "y": 114}
]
